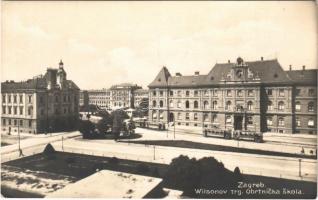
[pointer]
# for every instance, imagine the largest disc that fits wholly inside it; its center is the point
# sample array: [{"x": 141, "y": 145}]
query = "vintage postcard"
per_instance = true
[{"x": 159, "y": 99}]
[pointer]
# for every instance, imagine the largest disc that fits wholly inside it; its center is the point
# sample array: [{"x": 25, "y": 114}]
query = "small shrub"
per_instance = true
[
  {"x": 237, "y": 173},
  {"x": 49, "y": 150}
]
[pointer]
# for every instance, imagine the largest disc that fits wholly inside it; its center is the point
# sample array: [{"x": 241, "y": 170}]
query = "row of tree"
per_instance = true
[{"x": 106, "y": 122}]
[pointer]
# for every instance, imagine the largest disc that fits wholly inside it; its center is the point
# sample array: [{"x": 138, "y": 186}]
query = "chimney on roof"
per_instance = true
[
  {"x": 304, "y": 67},
  {"x": 262, "y": 58},
  {"x": 197, "y": 73},
  {"x": 228, "y": 61},
  {"x": 178, "y": 74},
  {"x": 290, "y": 67}
]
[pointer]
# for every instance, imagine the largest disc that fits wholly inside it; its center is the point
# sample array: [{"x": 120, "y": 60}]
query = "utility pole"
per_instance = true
[
  {"x": 62, "y": 143},
  {"x": 174, "y": 128},
  {"x": 299, "y": 167},
  {"x": 20, "y": 150}
]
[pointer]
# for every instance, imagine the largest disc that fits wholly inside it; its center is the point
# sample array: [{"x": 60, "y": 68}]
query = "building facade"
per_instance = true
[
  {"x": 140, "y": 96},
  {"x": 101, "y": 98},
  {"x": 83, "y": 98},
  {"x": 116, "y": 97},
  {"x": 258, "y": 96},
  {"x": 46, "y": 103}
]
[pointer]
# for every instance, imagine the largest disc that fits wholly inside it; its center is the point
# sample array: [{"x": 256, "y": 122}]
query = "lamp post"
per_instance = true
[{"x": 19, "y": 145}]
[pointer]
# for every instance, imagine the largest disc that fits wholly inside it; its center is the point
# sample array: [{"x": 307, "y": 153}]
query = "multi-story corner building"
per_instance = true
[
  {"x": 101, "y": 98},
  {"x": 43, "y": 104},
  {"x": 123, "y": 95},
  {"x": 116, "y": 97},
  {"x": 258, "y": 96},
  {"x": 140, "y": 95}
]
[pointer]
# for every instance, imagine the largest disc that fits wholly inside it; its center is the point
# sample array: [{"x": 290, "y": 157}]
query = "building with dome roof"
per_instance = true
[{"x": 256, "y": 95}]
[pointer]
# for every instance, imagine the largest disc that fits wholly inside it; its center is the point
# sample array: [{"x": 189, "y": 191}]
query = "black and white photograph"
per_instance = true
[{"x": 159, "y": 99}]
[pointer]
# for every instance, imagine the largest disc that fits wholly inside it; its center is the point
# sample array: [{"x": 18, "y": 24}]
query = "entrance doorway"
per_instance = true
[
  {"x": 171, "y": 117},
  {"x": 238, "y": 122}
]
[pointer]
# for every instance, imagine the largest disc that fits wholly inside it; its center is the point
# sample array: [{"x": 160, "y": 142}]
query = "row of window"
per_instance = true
[
  {"x": 17, "y": 110},
  {"x": 228, "y": 105},
  {"x": 14, "y": 97},
  {"x": 281, "y": 92},
  {"x": 214, "y": 119},
  {"x": 205, "y": 93},
  {"x": 66, "y": 98},
  {"x": 310, "y": 106},
  {"x": 311, "y": 92},
  {"x": 15, "y": 122},
  {"x": 281, "y": 122}
]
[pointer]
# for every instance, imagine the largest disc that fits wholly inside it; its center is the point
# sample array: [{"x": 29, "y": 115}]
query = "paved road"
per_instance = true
[
  {"x": 273, "y": 166},
  {"x": 33, "y": 145},
  {"x": 286, "y": 147}
]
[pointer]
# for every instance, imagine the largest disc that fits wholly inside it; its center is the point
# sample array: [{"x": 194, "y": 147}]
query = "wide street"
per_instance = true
[{"x": 273, "y": 166}]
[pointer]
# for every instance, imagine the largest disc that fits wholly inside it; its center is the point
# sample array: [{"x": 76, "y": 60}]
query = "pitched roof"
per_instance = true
[
  {"x": 39, "y": 82},
  {"x": 308, "y": 76},
  {"x": 267, "y": 71},
  {"x": 161, "y": 79},
  {"x": 31, "y": 84}
]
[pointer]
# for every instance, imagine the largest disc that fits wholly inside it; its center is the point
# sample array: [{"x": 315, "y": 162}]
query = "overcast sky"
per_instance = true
[{"x": 106, "y": 43}]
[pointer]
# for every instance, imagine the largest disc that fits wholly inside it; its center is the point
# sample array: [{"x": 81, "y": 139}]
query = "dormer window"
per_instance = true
[
  {"x": 159, "y": 79},
  {"x": 275, "y": 75}
]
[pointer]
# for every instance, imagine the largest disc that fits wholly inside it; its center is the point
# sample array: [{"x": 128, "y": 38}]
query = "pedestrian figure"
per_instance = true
[{"x": 20, "y": 153}]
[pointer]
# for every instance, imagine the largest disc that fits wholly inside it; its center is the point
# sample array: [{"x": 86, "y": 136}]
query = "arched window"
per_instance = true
[
  {"x": 281, "y": 121},
  {"x": 154, "y": 103},
  {"x": 187, "y": 93},
  {"x": 179, "y": 116},
  {"x": 171, "y": 103},
  {"x": 214, "y": 105},
  {"x": 239, "y": 93},
  {"x": 214, "y": 118},
  {"x": 160, "y": 114},
  {"x": 179, "y": 104},
  {"x": 196, "y": 104},
  {"x": 270, "y": 105},
  {"x": 154, "y": 115},
  {"x": 205, "y": 104},
  {"x": 205, "y": 117},
  {"x": 298, "y": 124},
  {"x": 269, "y": 121},
  {"x": 311, "y": 123},
  {"x": 161, "y": 103},
  {"x": 228, "y": 105},
  {"x": 297, "y": 106},
  {"x": 228, "y": 119},
  {"x": 311, "y": 107},
  {"x": 249, "y": 120},
  {"x": 281, "y": 106},
  {"x": 187, "y": 104},
  {"x": 249, "y": 105},
  {"x": 195, "y": 116}
]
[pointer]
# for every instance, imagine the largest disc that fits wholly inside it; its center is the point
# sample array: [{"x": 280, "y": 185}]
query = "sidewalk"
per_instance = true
[
  {"x": 34, "y": 141},
  {"x": 283, "y": 146},
  {"x": 272, "y": 166}
]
